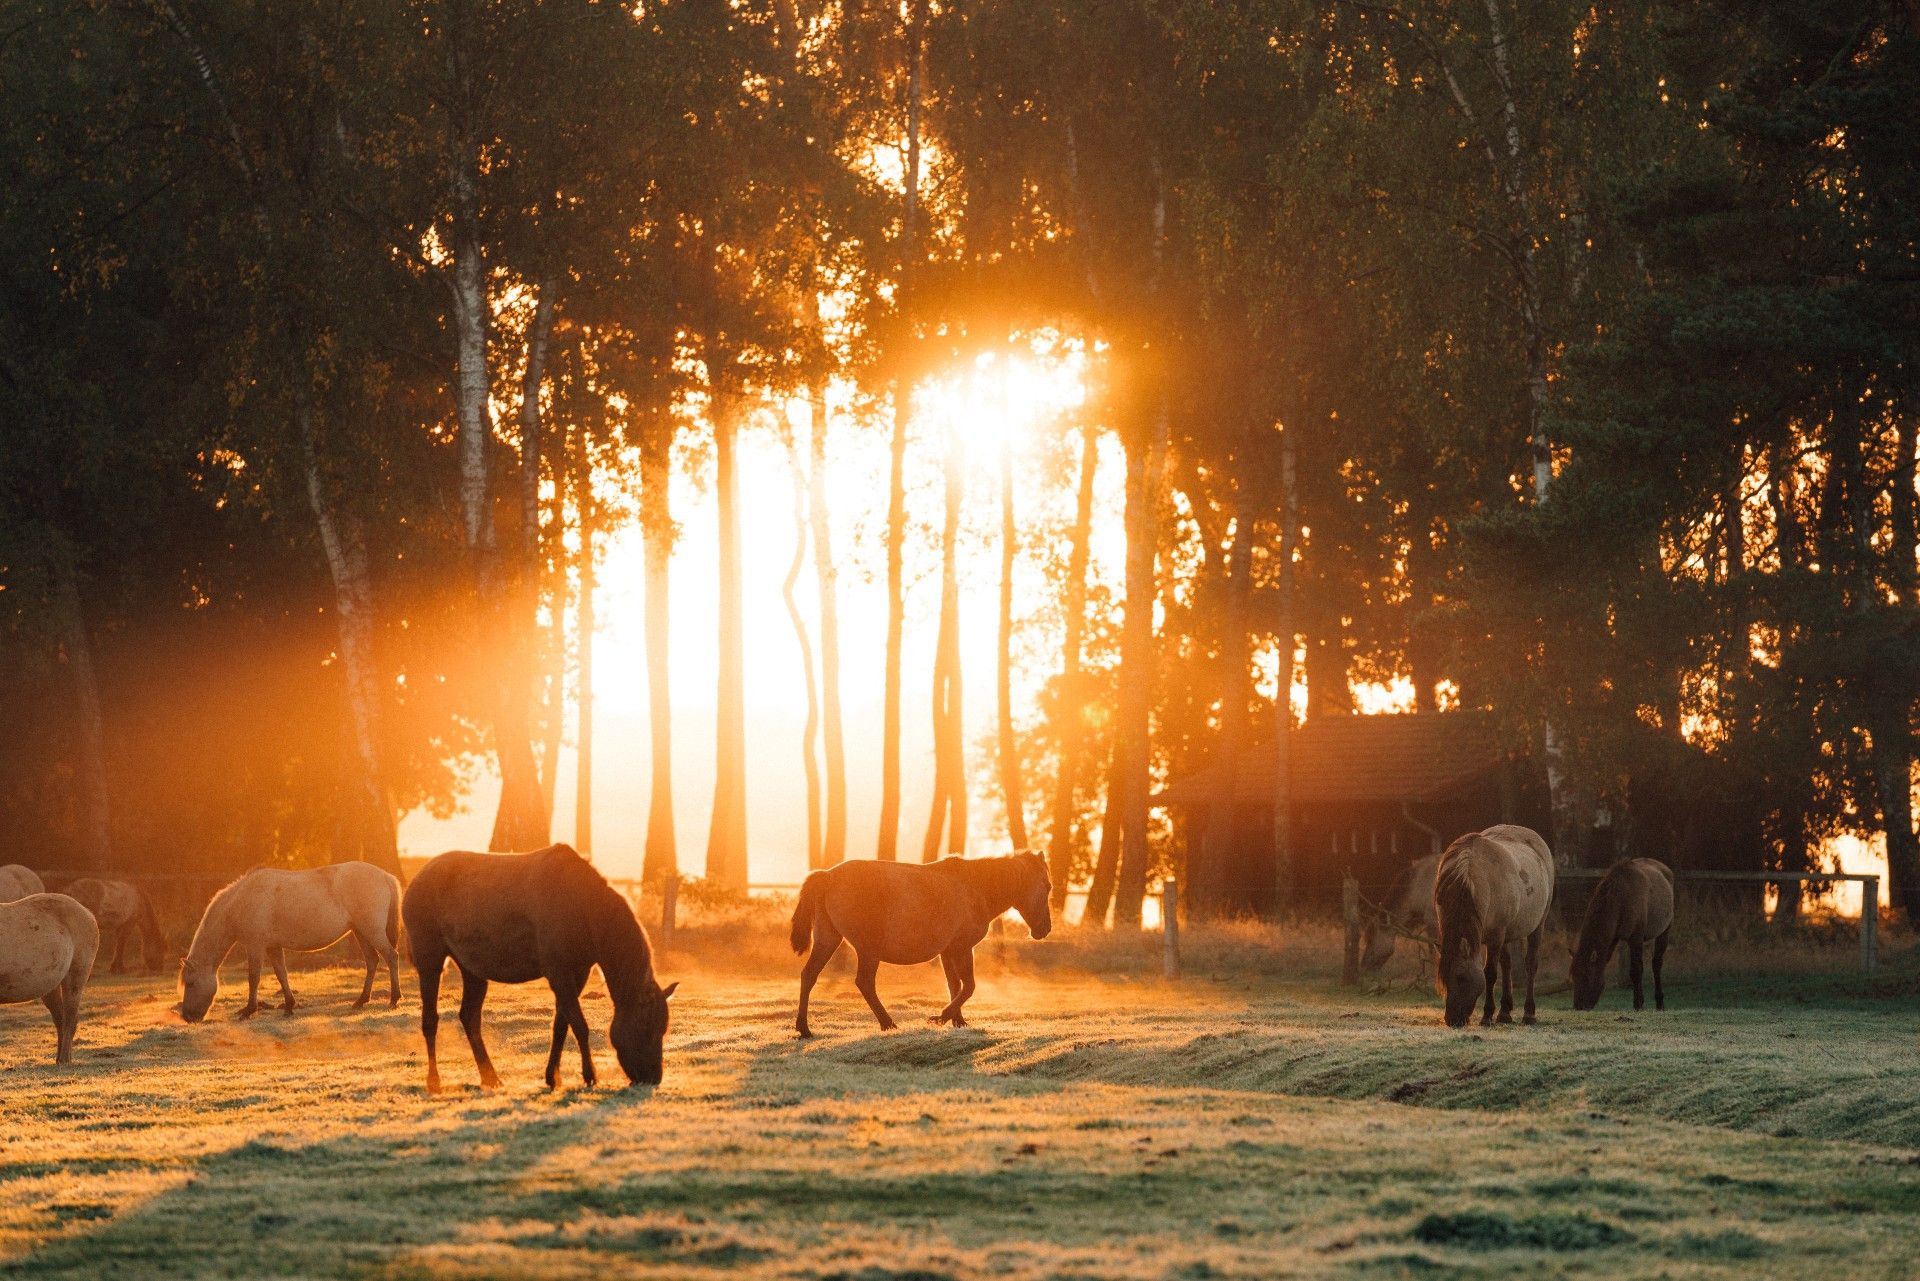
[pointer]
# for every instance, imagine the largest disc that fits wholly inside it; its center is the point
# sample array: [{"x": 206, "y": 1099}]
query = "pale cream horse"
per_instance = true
[
  {"x": 18, "y": 882},
  {"x": 47, "y": 945},
  {"x": 271, "y": 909}
]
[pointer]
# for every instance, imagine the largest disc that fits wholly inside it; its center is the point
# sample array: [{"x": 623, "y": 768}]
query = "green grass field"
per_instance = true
[{"x": 1088, "y": 1126}]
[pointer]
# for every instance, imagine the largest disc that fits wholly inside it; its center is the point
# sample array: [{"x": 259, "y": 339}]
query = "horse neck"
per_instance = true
[
  {"x": 621, "y": 948},
  {"x": 993, "y": 880},
  {"x": 1602, "y": 925},
  {"x": 214, "y": 937}
]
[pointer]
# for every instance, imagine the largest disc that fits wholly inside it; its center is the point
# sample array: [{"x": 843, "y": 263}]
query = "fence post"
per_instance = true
[
  {"x": 669, "y": 906},
  {"x": 1869, "y": 922},
  {"x": 1350, "y": 909},
  {"x": 1170, "y": 928}
]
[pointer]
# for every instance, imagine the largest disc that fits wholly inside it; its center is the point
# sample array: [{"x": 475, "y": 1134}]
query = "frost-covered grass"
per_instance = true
[{"x": 1090, "y": 1125}]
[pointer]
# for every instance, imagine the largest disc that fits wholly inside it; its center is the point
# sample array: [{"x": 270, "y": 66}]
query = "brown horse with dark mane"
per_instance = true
[
  {"x": 909, "y": 913},
  {"x": 1491, "y": 891},
  {"x": 1632, "y": 903},
  {"x": 514, "y": 918}
]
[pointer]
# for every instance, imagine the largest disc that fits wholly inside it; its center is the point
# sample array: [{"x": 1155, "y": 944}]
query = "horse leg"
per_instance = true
[
  {"x": 473, "y": 995},
  {"x": 953, "y": 988},
  {"x": 1533, "y": 967},
  {"x": 1506, "y": 984},
  {"x": 1636, "y": 960},
  {"x": 252, "y": 1006},
  {"x": 429, "y": 969},
  {"x": 826, "y": 941},
  {"x": 372, "y": 960},
  {"x": 577, "y": 1020},
  {"x": 119, "y": 965},
  {"x": 1659, "y": 964},
  {"x": 279, "y": 956},
  {"x": 863, "y": 979},
  {"x": 392, "y": 957},
  {"x": 1492, "y": 974},
  {"x": 963, "y": 969},
  {"x": 56, "y": 1003},
  {"x": 559, "y": 1041},
  {"x": 73, "y": 985}
]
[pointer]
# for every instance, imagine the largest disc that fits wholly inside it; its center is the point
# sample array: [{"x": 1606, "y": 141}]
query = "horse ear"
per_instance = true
[{"x": 666, "y": 993}]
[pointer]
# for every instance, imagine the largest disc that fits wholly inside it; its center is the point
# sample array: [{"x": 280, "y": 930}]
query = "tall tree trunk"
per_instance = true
[
  {"x": 1070, "y": 732},
  {"x": 1010, "y": 781},
  {"x": 521, "y": 822},
  {"x": 727, "y": 830},
  {"x": 1106, "y": 863},
  {"x": 1236, "y": 694},
  {"x": 354, "y": 608},
  {"x": 833, "y": 844},
  {"x": 949, "y": 814},
  {"x": 587, "y": 508},
  {"x": 1133, "y": 734},
  {"x": 887, "y": 844},
  {"x": 789, "y": 592},
  {"x": 94, "y": 808},
  {"x": 656, "y": 519},
  {"x": 1282, "y": 795}
]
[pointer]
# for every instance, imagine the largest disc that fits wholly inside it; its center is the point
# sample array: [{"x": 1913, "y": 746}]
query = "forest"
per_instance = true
[{"x": 1553, "y": 362}]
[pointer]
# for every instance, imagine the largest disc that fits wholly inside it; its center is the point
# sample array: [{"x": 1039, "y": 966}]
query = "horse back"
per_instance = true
[
  {"x": 504, "y": 917},
  {"x": 46, "y": 939},
  {"x": 901, "y": 913},
  {"x": 1507, "y": 872}
]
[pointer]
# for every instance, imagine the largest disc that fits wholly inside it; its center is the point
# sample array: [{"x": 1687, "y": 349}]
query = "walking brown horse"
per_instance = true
[
  {"x": 514, "y": 918},
  {"x": 1632, "y": 903},
  {"x": 909, "y": 913},
  {"x": 121, "y": 908},
  {"x": 1492, "y": 890}
]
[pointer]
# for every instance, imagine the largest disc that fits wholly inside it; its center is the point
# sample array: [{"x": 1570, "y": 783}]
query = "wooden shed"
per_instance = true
[{"x": 1369, "y": 794}]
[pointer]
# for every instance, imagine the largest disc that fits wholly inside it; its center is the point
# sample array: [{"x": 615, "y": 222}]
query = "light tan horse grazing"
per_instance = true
[
  {"x": 1632, "y": 903},
  {"x": 47, "y": 945},
  {"x": 909, "y": 913},
  {"x": 121, "y": 910},
  {"x": 1409, "y": 907},
  {"x": 271, "y": 909},
  {"x": 1492, "y": 890},
  {"x": 18, "y": 882}
]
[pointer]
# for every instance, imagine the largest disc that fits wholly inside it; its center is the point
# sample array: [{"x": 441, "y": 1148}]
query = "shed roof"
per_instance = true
[{"x": 1347, "y": 760}]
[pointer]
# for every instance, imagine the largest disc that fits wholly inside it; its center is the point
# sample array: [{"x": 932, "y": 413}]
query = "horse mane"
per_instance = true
[
  {"x": 216, "y": 910},
  {"x": 624, "y": 953},
  {"x": 1602, "y": 918},
  {"x": 1452, "y": 890}
]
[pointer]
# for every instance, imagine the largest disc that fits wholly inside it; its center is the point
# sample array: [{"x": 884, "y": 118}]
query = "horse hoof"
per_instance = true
[
  {"x": 805, "y": 1034},
  {"x": 490, "y": 1082},
  {"x": 1529, "y": 1020},
  {"x": 433, "y": 1085}
]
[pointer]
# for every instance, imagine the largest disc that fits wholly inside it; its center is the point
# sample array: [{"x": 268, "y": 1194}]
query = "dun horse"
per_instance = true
[
  {"x": 514, "y": 918},
  {"x": 271, "y": 909},
  {"x": 1409, "y": 906},
  {"x": 121, "y": 909},
  {"x": 47, "y": 946},
  {"x": 1491, "y": 892},
  {"x": 1632, "y": 903},
  {"x": 18, "y": 882},
  {"x": 907, "y": 914}
]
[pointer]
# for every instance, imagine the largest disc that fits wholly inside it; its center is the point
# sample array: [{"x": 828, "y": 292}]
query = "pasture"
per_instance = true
[{"x": 1094, "y": 1123}]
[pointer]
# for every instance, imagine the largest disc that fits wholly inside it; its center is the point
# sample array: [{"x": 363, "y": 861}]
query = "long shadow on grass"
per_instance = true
[{"x": 268, "y": 1208}]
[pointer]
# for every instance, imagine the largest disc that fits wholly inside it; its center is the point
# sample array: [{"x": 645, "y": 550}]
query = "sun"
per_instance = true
[{"x": 995, "y": 402}]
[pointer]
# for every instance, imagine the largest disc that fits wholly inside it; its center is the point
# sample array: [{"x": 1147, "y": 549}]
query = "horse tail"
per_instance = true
[
  {"x": 804, "y": 912},
  {"x": 393, "y": 920}
]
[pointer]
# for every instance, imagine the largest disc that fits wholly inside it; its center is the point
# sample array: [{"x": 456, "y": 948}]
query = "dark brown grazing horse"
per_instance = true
[
  {"x": 121, "y": 909},
  {"x": 514, "y": 918},
  {"x": 1491, "y": 891},
  {"x": 909, "y": 913},
  {"x": 1632, "y": 903}
]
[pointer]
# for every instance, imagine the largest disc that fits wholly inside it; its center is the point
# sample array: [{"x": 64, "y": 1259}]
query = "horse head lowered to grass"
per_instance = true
[{"x": 909, "y": 913}]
